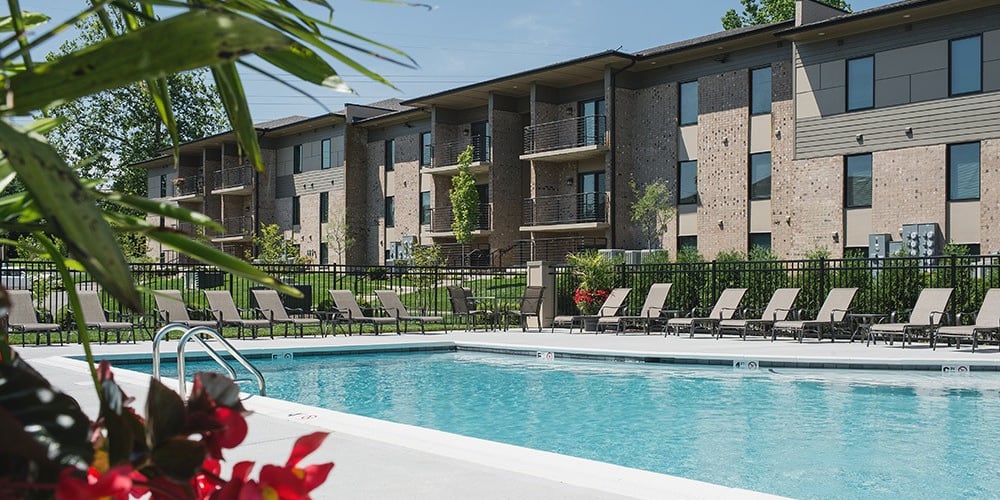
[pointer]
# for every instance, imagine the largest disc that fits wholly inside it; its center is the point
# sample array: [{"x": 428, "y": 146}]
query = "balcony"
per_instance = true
[
  {"x": 444, "y": 156},
  {"x": 189, "y": 187},
  {"x": 571, "y": 139},
  {"x": 235, "y": 229},
  {"x": 552, "y": 250},
  {"x": 235, "y": 180},
  {"x": 566, "y": 213},
  {"x": 442, "y": 217}
]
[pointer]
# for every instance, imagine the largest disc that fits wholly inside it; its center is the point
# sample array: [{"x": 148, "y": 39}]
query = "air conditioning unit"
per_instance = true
[
  {"x": 633, "y": 257},
  {"x": 612, "y": 253}
]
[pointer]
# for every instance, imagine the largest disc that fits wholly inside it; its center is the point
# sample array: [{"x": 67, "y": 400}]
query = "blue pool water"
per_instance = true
[{"x": 798, "y": 433}]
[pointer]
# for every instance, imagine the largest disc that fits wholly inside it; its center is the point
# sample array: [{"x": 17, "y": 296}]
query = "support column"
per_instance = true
[{"x": 540, "y": 274}]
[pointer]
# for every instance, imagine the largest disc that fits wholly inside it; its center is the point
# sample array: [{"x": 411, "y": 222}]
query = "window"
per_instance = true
[
  {"x": 425, "y": 149},
  {"x": 687, "y": 242},
  {"x": 760, "y": 91},
  {"x": 425, "y": 207},
  {"x": 858, "y": 181},
  {"x": 163, "y": 186},
  {"x": 688, "y": 175},
  {"x": 760, "y": 240},
  {"x": 591, "y": 125},
  {"x": 324, "y": 253},
  {"x": 324, "y": 207},
  {"x": 965, "y": 58},
  {"x": 591, "y": 196},
  {"x": 390, "y": 211},
  {"x": 760, "y": 176},
  {"x": 689, "y": 103},
  {"x": 861, "y": 83},
  {"x": 295, "y": 211},
  {"x": 297, "y": 159},
  {"x": 963, "y": 171},
  {"x": 390, "y": 155},
  {"x": 326, "y": 161}
]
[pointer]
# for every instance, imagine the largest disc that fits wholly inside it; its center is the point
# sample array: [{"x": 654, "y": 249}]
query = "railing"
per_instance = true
[
  {"x": 197, "y": 333},
  {"x": 234, "y": 177},
  {"x": 566, "y": 209},
  {"x": 237, "y": 226},
  {"x": 189, "y": 185},
  {"x": 547, "y": 249},
  {"x": 564, "y": 134},
  {"x": 472, "y": 255},
  {"x": 442, "y": 217},
  {"x": 446, "y": 153}
]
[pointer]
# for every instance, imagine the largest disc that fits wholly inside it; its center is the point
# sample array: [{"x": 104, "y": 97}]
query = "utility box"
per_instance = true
[
  {"x": 923, "y": 240},
  {"x": 878, "y": 245}
]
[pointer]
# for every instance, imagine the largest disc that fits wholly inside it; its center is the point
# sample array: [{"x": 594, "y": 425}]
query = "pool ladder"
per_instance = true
[{"x": 196, "y": 334}]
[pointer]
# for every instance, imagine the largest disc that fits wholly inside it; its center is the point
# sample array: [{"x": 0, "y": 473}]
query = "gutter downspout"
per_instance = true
[{"x": 612, "y": 185}]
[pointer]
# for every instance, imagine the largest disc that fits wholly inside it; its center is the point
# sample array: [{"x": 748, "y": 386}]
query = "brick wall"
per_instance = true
[
  {"x": 407, "y": 185},
  {"x": 505, "y": 178},
  {"x": 908, "y": 185},
  {"x": 989, "y": 196},
  {"x": 358, "y": 217}
]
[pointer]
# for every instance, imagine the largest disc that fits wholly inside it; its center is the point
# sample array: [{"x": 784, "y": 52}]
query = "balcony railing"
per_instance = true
[
  {"x": 565, "y": 134},
  {"x": 446, "y": 153},
  {"x": 566, "y": 209},
  {"x": 548, "y": 249},
  {"x": 234, "y": 177},
  {"x": 236, "y": 226},
  {"x": 189, "y": 185},
  {"x": 442, "y": 217}
]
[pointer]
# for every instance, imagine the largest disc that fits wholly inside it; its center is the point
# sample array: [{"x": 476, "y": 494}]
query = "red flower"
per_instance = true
[
  {"x": 115, "y": 483},
  {"x": 287, "y": 483},
  {"x": 589, "y": 301}
]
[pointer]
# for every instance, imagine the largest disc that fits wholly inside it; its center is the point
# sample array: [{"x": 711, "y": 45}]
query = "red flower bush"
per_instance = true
[{"x": 589, "y": 301}]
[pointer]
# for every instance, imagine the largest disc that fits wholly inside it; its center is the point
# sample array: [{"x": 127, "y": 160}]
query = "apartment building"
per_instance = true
[{"x": 812, "y": 133}]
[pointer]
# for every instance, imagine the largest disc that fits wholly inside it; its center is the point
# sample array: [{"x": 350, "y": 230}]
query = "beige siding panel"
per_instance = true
[
  {"x": 806, "y": 106},
  {"x": 390, "y": 235},
  {"x": 807, "y": 79},
  {"x": 687, "y": 220},
  {"x": 892, "y": 91},
  {"x": 991, "y": 76},
  {"x": 833, "y": 74},
  {"x": 760, "y": 216},
  {"x": 760, "y": 133},
  {"x": 858, "y": 225},
  {"x": 687, "y": 147},
  {"x": 913, "y": 59},
  {"x": 963, "y": 222},
  {"x": 929, "y": 86},
  {"x": 390, "y": 183}
]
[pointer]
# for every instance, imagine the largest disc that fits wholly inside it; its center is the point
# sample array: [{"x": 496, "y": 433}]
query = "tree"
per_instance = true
[
  {"x": 274, "y": 248},
  {"x": 768, "y": 11},
  {"x": 338, "y": 235},
  {"x": 651, "y": 210},
  {"x": 464, "y": 201}
]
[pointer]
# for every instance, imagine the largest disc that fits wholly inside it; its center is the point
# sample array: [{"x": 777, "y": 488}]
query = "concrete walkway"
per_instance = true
[{"x": 378, "y": 459}]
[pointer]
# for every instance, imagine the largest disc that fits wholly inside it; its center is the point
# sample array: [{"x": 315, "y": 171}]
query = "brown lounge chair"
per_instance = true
[
  {"x": 777, "y": 309},
  {"x": 394, "y": 306},
  {"x": 611, "y": 307},
  {"x": 651, "y": 310},
  {"x": 926, "y": 315},
  {"x": 95, "y": 316},
  {"x": 23, "y": 318},
  {"x": 269, "y": 303},
  {"x": 227, "y": 314},
  {"x": 171, "y": 309},
  {"x": 832, "y": 315},
  {"x": 350, "y": 312},
  {"x": 464, "y": 305},
  {"x": 987, "y": 322},
  {"x": 531, "y": 305},
  {"x": 724, "y": 308}
]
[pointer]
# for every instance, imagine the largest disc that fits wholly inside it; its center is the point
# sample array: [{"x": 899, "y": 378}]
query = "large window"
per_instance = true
[
  {"x": 760, "y": 176},
  {"x": 687, "y": 172},
  {"x": 687, "y": 242},
  {"x": 425, "y": 149},
  {"x": 390, "y": 155},
  {"x": 591, "y": 127},
  {"x": 326, "y": 161},
  {"x": 760, "y": 91},
  {"x": 163, "y": 186},
  {"x": 861, "y": 83},
  {"x": 425, "y": 207},
  {"x": 760, "y": 240},
  {"x": 591, "y": 196},
  {"x": 858, "y": 181},
  {"x": 324, "y": 207},
  {"x": 297, "y": 159},
  {"x": 689, "y": 103},
  {"x": 390, "y": 211},
  {"x": 963, "y": 171},
  {"x": 296, "y": 219},
  {"x": 966, "y": 61}
]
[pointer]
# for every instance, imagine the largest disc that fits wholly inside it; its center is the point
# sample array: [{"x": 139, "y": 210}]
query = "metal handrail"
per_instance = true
[
  {"x": 446, "y": 153},
  {"x": 238, "y": 176},
  {"x": 193, "y": 333},
  {"x": 566, "y": 209},
  {"x": 587, "y": 130}
]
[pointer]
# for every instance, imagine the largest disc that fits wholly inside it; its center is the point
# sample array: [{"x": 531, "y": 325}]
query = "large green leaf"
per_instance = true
[
  {"x": 165, "y": 209},
  {"x": 307, "y": 65},
  {"x": 234, "y": 99},
  {"x": 30, "y": 19}
]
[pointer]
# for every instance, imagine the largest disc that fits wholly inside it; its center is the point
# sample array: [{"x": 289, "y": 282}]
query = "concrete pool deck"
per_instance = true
[{"x": 378, "y": 459}]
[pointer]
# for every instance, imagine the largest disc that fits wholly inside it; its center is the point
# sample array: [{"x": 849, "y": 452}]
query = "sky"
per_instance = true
[{"x": 459, "y": 42}]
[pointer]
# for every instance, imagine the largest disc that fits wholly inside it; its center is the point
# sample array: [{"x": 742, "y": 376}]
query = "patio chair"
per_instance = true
[
  {"x": 987, "y": 322},
  {"x": 464, "y": 305},
  {"x": 394, "y": 306},
  {"x": 832, "y": 315},
  {"x": 724, "y": 308},
  {"x": 23, "y": 318},
  {"x": 925, "y": 316},
  {"x": 350, "y": 312},
  {"x": 777, "y": 309},
  {"x": 531, "y": 305},
  {"x": 651, "y": 310},
  {"x": 611, "y": 307},
  {"x": 269, "y": 303},
  {"x": 227, "y": 314},
  {"x": 95, "y": 316},
  {"x": 171, "y": 309}
]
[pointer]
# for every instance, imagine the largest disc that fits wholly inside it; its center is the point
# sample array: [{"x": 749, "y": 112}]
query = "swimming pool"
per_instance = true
[{"x": 798, "y": 433}]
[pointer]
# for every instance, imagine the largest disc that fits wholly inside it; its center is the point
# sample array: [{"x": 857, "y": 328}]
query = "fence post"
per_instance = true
[
  {"x": 822, "y": 279},
  {"x": 539, "y": 273},
  {"x": 715, "y": 284}
]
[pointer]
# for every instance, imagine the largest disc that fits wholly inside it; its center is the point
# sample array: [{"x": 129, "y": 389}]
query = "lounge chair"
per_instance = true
[
  {"x": 227, "y": 314},
  {"x": 724, "y": 308},
  {"x": 777, "y": 309},
  {"x": 171, "y": 309},
  {"x": 464, "y": 305},
  {"x": 832, "y": 315},
  {"x": 652, "y": 309},
  {"x": 987, "y": 322},
  {"x": 531, "y": 305},
  {"x": 350, "y": 312},
  {"x": 23, "y": 318},
  {"x": 269, "y": 303},
  {"x": 394, "y": 306},
  {"x": 611, "y": 307},
  {"x": 926, "y": 315},
  {"x": 95, "y": 316}
]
